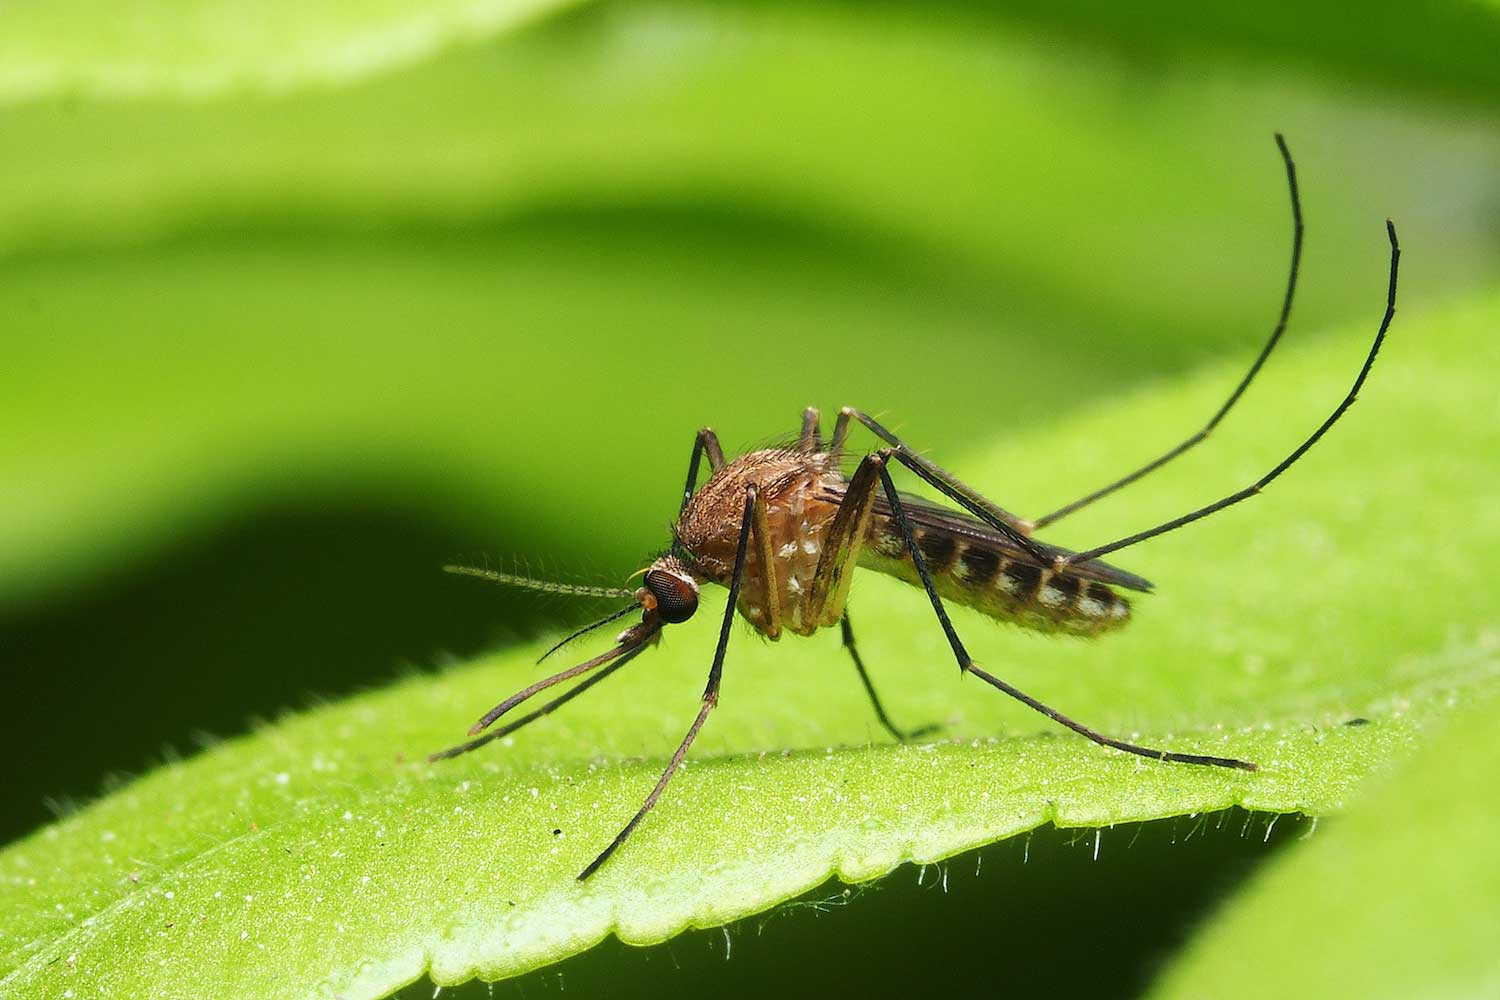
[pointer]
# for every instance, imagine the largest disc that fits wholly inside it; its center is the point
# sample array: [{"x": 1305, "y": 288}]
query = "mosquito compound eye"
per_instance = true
[{"x": 676, "y": 598}]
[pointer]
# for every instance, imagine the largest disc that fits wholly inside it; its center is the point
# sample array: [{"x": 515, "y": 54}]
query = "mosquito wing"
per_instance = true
[{"x": 924, "y": 513}]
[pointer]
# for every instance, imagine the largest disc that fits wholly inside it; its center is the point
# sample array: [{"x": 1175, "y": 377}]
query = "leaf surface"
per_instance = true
[
  {"x": 1402, "y": 897},
  {"x": 364, "y": 289}
]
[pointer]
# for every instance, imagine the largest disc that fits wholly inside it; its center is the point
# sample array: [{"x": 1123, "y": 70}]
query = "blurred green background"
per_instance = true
[{"x": 300, "y": 302}]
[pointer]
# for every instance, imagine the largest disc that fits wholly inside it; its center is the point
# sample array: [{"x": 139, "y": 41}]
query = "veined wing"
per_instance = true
[{"x": 923, "y": 513}]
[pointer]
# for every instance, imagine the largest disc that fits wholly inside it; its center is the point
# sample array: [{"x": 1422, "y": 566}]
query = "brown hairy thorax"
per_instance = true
[{"x": 799, "y": 491}]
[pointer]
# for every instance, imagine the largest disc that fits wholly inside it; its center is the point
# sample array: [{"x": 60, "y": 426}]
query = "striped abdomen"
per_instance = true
[{"x": 986, "y": 577}]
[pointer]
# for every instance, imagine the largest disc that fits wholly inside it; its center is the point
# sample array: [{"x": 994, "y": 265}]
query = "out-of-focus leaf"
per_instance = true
[
  {"x": 1440, "y": 48},
  {"x": 368, "y": 286},
  {"x": 319, "y": 857},
  {"x": 197, "y": 49},
  {"x": 1399, "y": 899},
  {"x": 190, "y": 48}
]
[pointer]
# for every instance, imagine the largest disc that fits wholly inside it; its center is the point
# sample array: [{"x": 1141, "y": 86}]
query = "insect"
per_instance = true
[{"x": 783, "y": 529}]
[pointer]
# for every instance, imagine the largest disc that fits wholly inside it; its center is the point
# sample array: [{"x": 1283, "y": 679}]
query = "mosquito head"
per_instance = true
[{"x": 670, "y": 591}]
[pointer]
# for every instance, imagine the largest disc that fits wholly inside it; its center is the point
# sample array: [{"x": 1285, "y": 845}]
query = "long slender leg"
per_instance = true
[
  {"x": 829, "y": 589},
  {"x": 706, "y": 441},
  {"x": 1239, "y": 390},
  {"x": 1016, "y": 529},
  {"x": 1286, "y": 463},
  {"x": 966, "y": 663},
  {"x": 810, "y": 440},
  {"x": 710, "y": 693},
  {"x": 765, "y": 555},
  {"x": 547, "y": 709},
  {"x": 859, "y": 664}
]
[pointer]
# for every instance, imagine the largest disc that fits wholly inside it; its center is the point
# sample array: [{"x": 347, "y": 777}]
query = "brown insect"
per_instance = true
[{"x": 783, "y": 529}]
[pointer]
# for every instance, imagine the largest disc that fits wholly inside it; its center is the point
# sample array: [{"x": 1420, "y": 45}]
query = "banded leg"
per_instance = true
[
  {"x": 1017, "y": 529},
  {"x": 706, "y": 441},
  {"x": 901, "y": 735},
  {"x": 1239, "y": 390},
  {"x": 1286, "y": 463},
  {"x": 710, "y": 692},
  {"x": 967, "y": 664},
  {"x": 810, "y": 440}
]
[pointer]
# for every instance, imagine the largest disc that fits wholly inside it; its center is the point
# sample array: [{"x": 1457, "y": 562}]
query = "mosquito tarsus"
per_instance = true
[{"x": 783, "y": 529}]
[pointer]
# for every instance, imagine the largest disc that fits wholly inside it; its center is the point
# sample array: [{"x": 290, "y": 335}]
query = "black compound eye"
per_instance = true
[{"x": 676, "y": 598}]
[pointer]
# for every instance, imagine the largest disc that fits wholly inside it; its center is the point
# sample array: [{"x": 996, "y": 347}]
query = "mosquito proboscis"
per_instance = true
[{"x": 783, "y": 528}]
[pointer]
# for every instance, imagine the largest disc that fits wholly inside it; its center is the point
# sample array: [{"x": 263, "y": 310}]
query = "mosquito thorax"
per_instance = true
[{"x": 670, "y": 590}]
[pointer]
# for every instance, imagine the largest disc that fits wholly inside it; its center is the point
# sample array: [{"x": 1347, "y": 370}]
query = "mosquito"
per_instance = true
[{"x": 783, "y": 529}]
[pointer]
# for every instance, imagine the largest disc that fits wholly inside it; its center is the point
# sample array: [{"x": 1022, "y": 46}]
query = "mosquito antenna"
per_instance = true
[
  {"x": 541, "y": 586},
  {"x": 635, "y": 638},
  {"x": 627, "y": 609}
]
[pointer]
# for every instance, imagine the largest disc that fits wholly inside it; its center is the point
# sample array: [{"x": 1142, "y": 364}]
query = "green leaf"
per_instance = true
[
  {"x": 1402, "y": 897},
  {"x": 321, "y": 856}
]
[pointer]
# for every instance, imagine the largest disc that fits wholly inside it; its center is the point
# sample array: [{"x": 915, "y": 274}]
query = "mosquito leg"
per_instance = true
[
  {"x": 810, "y": 440},
  {"x": 1239, "y": 390},
  {"x": 829, "y": 589},
  {"x": 706, "y": 441},
  {"x": 885, "y": 720},
  {"x": 966, "y": 663},
  {"x": 546, "y": 709},
  {"x": 1018, "y": 530},
  {"x": 765, "y": 557},
  {"x": 840, "y": 433},
  {"x": 1286, "y": 463},
  {"x": 710, "y": 693}
]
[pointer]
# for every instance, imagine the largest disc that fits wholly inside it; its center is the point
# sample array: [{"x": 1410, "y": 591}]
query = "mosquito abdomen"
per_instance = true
[{"x": 972, "y": 572}]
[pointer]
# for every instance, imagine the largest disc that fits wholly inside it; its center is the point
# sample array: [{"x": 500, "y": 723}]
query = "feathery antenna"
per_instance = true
[{"x": 541, "y": 586}]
